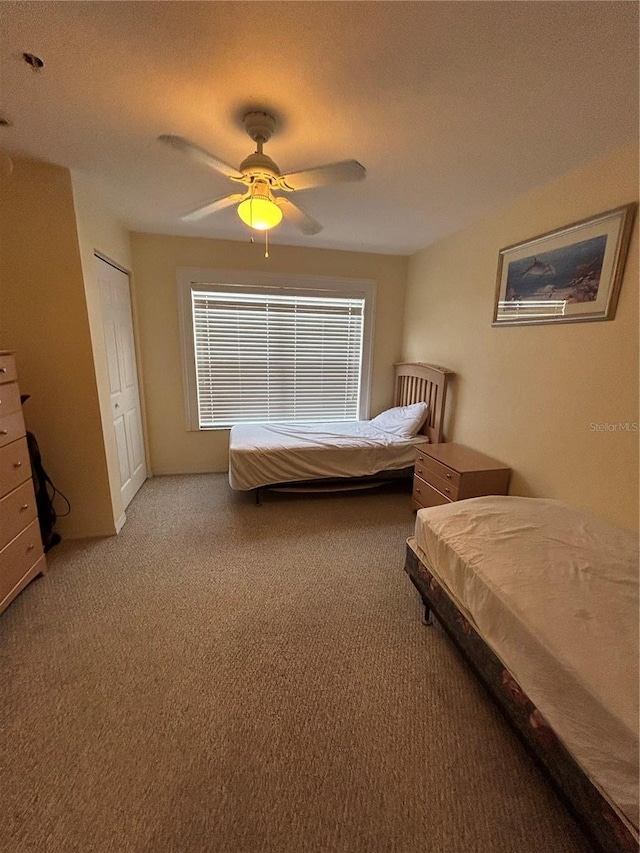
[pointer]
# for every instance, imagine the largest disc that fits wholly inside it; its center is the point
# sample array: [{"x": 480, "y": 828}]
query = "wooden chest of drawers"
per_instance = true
[
  {"x": 21, "y": 554},
  {"x": 450, "y": 472}
]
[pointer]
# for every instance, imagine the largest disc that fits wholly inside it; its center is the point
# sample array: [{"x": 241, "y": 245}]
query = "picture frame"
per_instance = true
[{"x": 569, "y": 275}]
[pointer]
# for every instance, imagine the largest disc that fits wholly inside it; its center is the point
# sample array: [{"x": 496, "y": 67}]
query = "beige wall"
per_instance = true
[
  {"x": 100, "y": 231},
  {"x": 155, "y": 261},
  {"x": 43, "y": 317},
  {"x": 527, "y": 395}
]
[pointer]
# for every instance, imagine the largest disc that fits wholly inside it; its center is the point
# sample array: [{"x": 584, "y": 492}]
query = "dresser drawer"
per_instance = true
[
  {"x": 11, "y": 427},
  {"x": 18, "y": 557},
  {"x": 9, "y": 399},
  {"x": 15, "y": 467},
  {"x": 426, "y": 495},
  {"x": 38, "y": 568},
  {"x": 17, "y": 510},
  {"x": 426, "y": 463},
  {"x": 7, "y": 368}
]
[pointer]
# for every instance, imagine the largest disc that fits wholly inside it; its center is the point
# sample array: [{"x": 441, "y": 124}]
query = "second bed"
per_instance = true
[
  {"x": 542, "y": 598},
  {"x": 278, "y": 454}
]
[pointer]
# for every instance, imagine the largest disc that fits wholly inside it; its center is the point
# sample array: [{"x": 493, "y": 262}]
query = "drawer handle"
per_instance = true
[
  {"x": 23, "y": 507},
  {"x": 418, "y": 470},
  {"x": 418, "y": 490},
  {"x": 447, "y": 490},
  {"x": 4, "y": 432},
  {"x": 448, "y": 476},
  {"x": 3, "y": 369},
  {"x": 30, "y": 547},
  {"x": 17, "y": 464},
  {"x": 420, "y": 458}
]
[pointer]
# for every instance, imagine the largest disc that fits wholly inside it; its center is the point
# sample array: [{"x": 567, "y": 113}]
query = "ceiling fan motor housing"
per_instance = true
[{"x": 259, "y": 165}]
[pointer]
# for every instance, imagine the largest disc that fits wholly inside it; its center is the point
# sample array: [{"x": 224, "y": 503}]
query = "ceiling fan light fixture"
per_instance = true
[
  {"x": 260, "y": 211},
  {"x": 257, "y": 206}
]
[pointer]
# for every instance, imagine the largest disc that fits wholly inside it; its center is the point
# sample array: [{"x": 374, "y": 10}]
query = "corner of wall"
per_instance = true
[{"x": 44, "y": 319}]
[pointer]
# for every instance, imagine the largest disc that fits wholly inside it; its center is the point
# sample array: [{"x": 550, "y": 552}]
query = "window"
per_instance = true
[{"x": 274, "y": 348}]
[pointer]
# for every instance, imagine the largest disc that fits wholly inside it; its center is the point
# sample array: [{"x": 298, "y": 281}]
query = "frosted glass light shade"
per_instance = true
[{"x": 259, "y": 213}]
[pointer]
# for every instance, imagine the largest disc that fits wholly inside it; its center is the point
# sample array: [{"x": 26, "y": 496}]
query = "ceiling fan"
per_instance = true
[{"x": 258, "y": 207}]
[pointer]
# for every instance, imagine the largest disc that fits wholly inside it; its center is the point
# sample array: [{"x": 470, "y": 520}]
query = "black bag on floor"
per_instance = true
[{"x": 45, "y": 493}]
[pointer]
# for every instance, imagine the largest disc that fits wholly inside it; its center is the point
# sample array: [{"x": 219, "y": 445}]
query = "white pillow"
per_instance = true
[{"x": 403, "y": 421}]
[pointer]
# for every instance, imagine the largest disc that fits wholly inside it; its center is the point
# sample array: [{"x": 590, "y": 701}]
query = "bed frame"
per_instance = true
[
  {"x": 414, "y": 383},
  {"x": 598, "y": 819}
]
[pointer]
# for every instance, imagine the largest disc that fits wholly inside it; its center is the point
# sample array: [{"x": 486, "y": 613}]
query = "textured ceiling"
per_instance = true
[{"x": 455, "y": 108}]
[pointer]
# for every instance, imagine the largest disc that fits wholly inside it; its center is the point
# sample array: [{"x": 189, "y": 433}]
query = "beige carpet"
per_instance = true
[{"x": 227, "y": 678}]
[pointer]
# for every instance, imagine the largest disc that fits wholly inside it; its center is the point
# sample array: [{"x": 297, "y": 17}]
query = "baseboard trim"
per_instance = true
[
  {"x": 88, "y": 534},
  {"x": 172, "y": 473}
]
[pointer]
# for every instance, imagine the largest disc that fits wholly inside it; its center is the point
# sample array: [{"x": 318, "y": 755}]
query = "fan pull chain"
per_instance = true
[{"x": 266, "y": 244}]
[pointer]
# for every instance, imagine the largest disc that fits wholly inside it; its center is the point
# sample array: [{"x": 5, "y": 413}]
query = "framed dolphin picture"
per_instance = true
[{"x": 565, "y": 276}]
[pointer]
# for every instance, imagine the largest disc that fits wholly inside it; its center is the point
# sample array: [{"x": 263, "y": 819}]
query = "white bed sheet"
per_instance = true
[
  {"x": 554, "y": 592},
  {"x": 263, "y": 454}
]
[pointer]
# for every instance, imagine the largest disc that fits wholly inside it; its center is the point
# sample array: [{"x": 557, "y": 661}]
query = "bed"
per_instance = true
[
  {"x": 343, "y": 454},
  {"x": 542, "y": 600}
]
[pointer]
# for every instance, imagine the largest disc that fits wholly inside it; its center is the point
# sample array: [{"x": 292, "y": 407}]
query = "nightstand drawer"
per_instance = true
[
  {"x": 426, "y": 495},
  {"x": 445, "y": 487},
  {"x": 426, "y": 462}
]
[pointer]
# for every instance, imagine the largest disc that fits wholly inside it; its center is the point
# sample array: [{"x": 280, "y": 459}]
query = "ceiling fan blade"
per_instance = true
[
  {"x": 307, "y": 224},
  {"x": 213, "y": 207},
  {"x": 346, "y": 170},
  {"x": 200, "y": 155}
]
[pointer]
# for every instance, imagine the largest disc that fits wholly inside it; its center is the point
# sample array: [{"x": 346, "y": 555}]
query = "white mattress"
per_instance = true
[
  {"x": 262, "y": 454},
  {"x": 554, "y": 593}
]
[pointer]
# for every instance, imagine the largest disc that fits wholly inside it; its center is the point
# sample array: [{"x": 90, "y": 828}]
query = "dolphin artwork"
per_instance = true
[{"x": 539, "y": 268}]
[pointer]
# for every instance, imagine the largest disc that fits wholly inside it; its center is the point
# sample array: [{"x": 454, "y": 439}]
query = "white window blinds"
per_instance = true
[{"x": 262, "y": 357}]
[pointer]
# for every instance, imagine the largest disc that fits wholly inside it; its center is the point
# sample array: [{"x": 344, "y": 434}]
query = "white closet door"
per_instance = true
[{"x": 125, "y": 395}]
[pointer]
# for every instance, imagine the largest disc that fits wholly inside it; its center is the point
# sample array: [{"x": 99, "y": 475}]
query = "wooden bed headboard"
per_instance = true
[{"x": 416, "y": 383}]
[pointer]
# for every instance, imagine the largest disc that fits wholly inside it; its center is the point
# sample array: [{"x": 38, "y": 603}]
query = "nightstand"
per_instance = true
[{"x": 449, "y": 472}]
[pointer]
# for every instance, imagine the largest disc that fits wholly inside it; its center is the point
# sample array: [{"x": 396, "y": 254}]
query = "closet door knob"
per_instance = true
[{"x": 17, "y": 464}]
